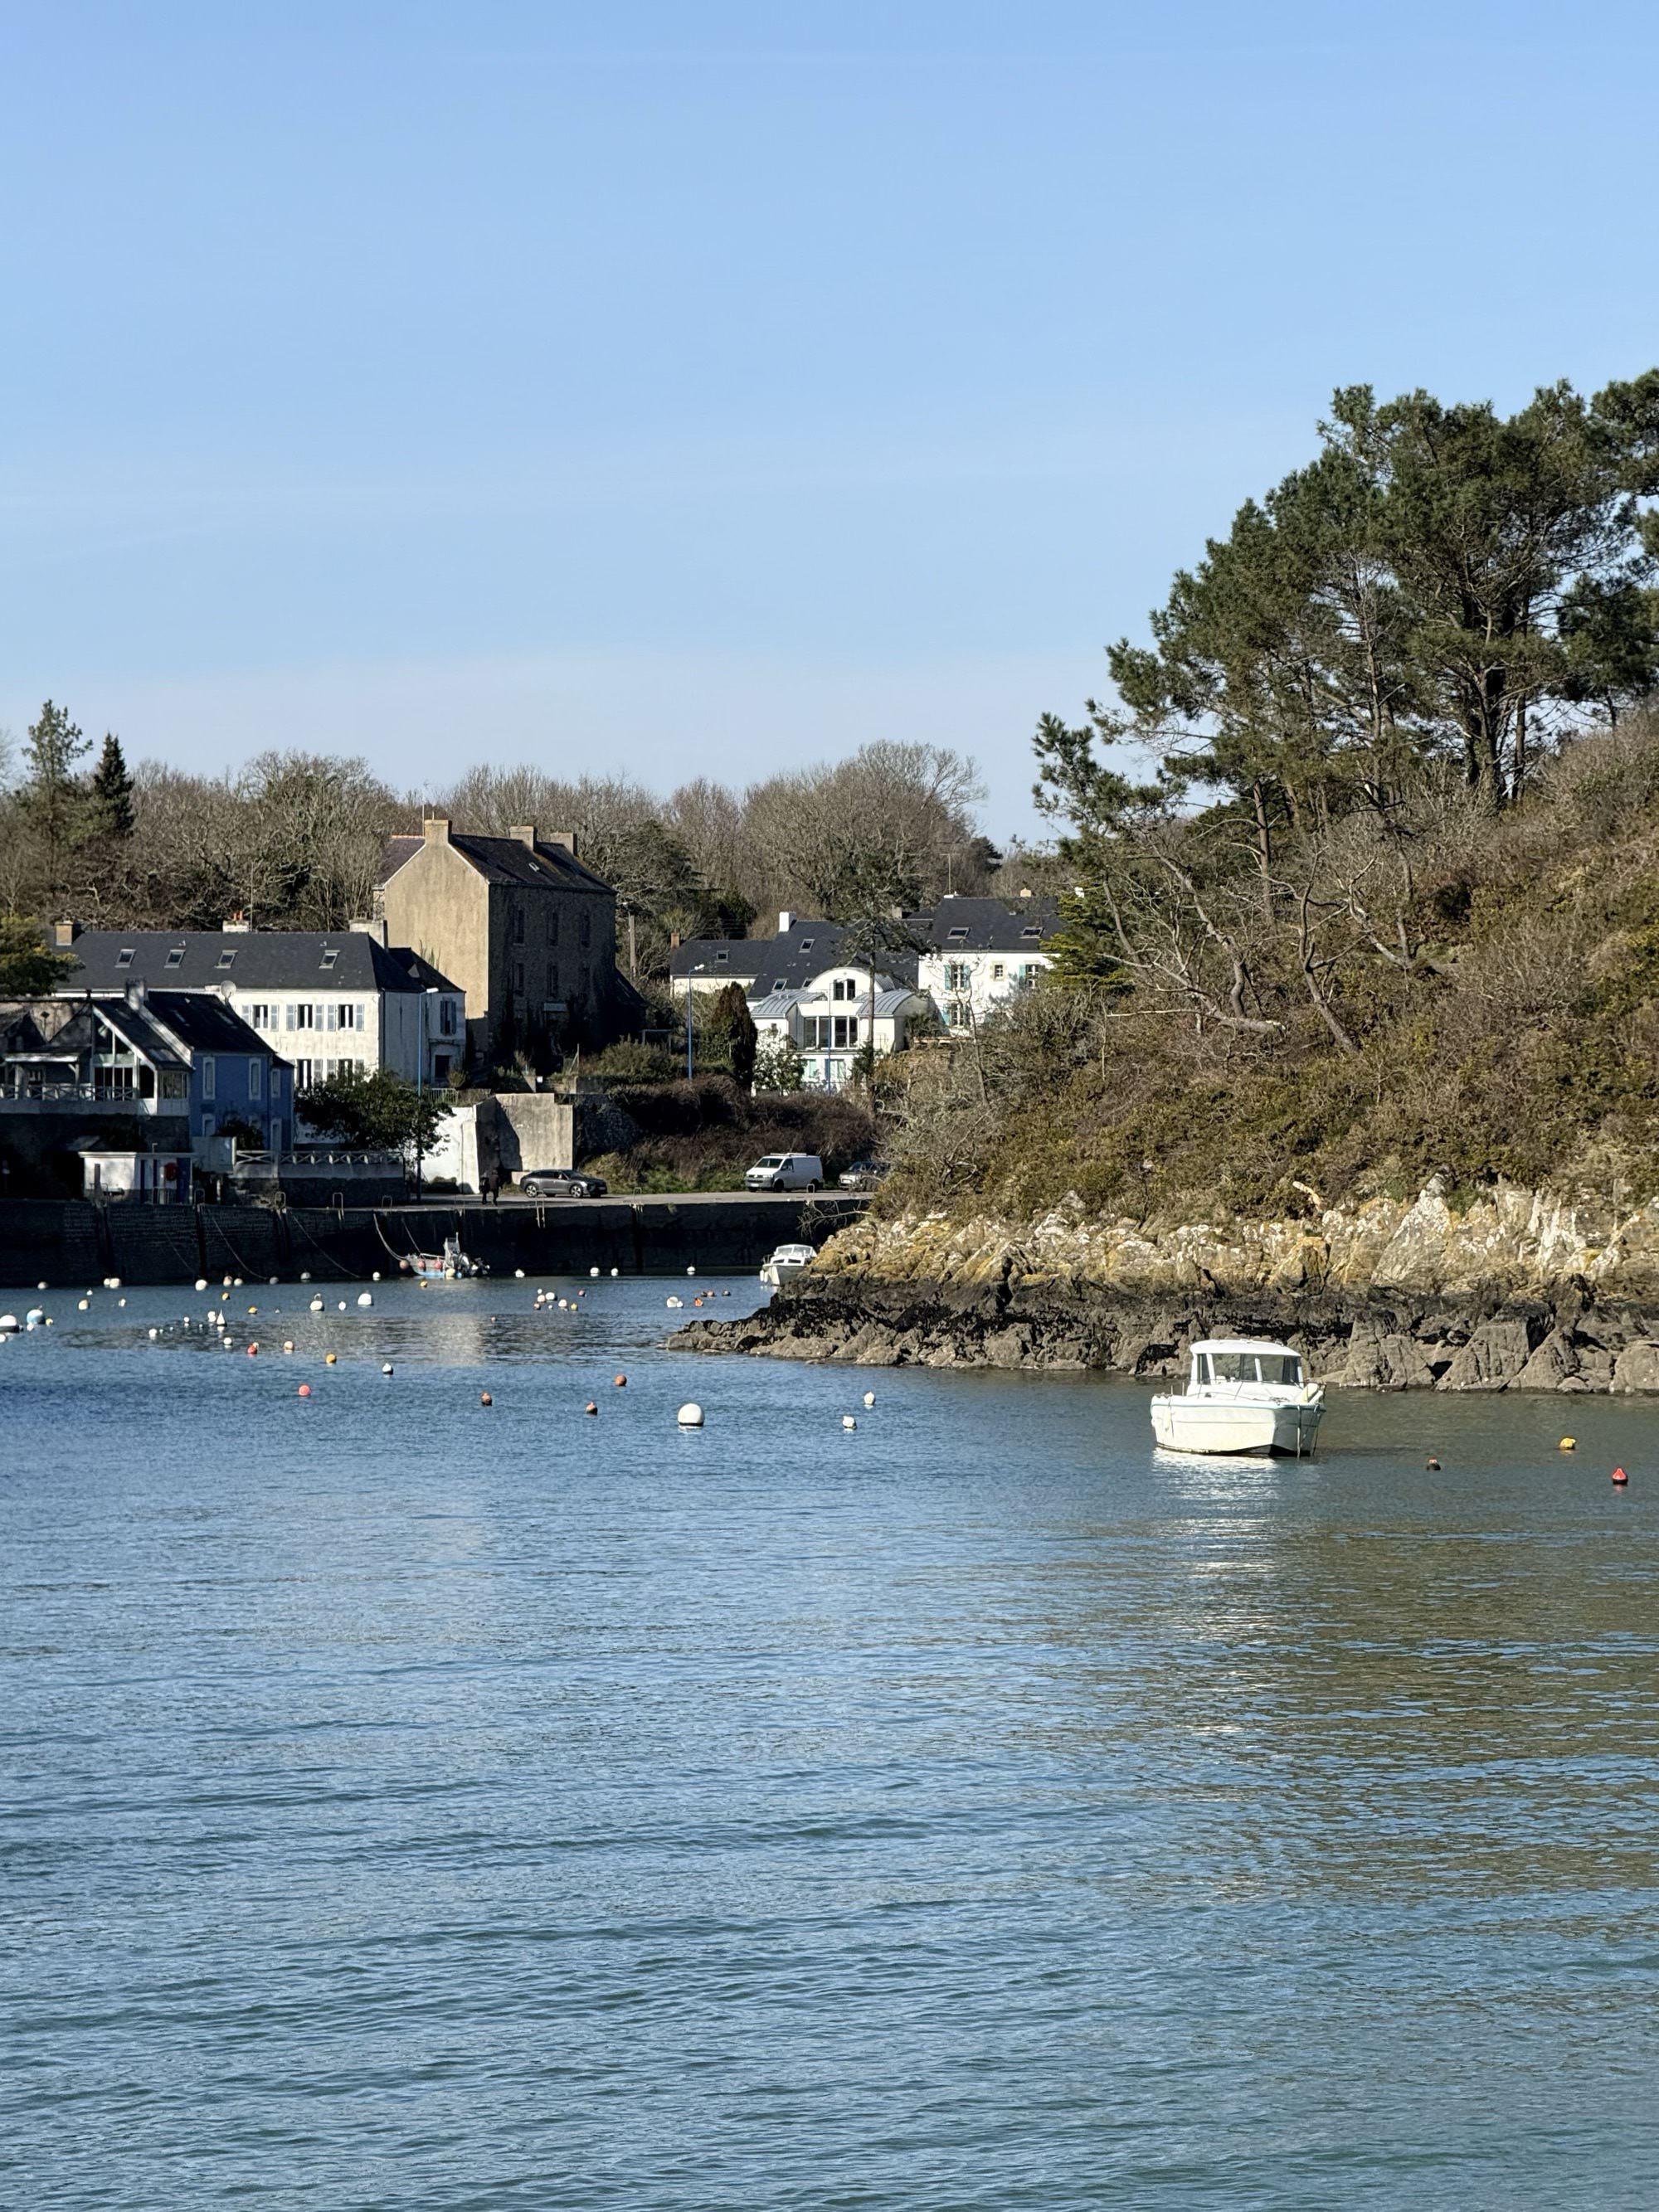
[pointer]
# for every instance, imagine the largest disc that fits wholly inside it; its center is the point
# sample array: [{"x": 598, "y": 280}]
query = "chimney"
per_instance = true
[
  {"x": 375, "y": 927},
  {"x": 568, "y": 838},
  {"x": 237, "y": 924},
  {"x": 786, "y": 922},
  {"x": 526, "y": 833},
  {"x": 136, "y": 993},
  {"x": 436, "y": 829},
  {"x": 64, "y": 934}
]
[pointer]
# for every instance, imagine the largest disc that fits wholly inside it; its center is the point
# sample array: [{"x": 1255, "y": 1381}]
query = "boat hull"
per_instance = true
[{"x": 1197, "y": 1425}]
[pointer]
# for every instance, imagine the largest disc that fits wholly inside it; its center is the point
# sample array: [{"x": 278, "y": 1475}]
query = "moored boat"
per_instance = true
[
  {"x": 788, "y": 1260},
  {"x": 449, "y": 1266},
  {"x": 1243, "y": 1394}
]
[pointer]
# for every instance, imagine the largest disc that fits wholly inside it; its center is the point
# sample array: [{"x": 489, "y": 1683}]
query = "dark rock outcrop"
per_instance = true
[{"x": 1353, "y": 1341}]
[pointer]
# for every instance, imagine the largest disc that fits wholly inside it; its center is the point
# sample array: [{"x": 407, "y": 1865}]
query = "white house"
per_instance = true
[
  {"x": 760, "y": 965},
  {"x": 324, "y": 999},
  {"x": 979, "y": 954},
  {"x": 828, "y": 1020}
]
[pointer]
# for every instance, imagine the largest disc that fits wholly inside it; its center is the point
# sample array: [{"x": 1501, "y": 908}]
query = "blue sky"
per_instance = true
[{"x": 705, "y": 389}]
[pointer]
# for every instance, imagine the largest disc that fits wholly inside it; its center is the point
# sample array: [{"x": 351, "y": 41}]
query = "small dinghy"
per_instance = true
[
  {"x": 1242, "y": 1395},
  {"x": 449, "y": 1266}
]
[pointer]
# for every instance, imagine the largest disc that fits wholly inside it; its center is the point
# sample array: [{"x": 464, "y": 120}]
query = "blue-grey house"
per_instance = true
[{"x": 140, "y": 1086}]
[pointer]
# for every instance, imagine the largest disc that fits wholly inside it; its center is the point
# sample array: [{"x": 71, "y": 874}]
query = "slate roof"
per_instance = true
[
  {"x": 788, "y": 961},
  {"x": 505, "y": 861},
  {"x": 988, "y": 925},
  {"x": 261, "y": 960},
  {"x": 785, "y": 963},
  {"x": 169, "y": 1027}
]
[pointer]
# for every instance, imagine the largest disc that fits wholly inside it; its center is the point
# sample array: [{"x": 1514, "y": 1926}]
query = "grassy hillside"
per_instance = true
[{"x": 1505, "y": 1023}]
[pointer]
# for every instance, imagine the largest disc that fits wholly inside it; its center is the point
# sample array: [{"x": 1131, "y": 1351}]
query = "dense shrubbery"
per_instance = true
[
  {"x": 702, "y": 1135},
  {"x": 1523, "y": 1043}
]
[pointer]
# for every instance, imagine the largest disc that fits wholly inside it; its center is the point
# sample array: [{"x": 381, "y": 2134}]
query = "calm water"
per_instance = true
[{"x": 407, "y": 1804}]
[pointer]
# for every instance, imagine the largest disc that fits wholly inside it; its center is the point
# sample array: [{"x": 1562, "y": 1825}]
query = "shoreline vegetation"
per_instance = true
[{"x": 1361, "y": 930}]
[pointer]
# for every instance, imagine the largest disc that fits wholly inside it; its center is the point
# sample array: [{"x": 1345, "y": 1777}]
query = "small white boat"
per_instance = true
[
  {"x": 788, "y": 1260},
  {"x": 1242, "y": 1395}
]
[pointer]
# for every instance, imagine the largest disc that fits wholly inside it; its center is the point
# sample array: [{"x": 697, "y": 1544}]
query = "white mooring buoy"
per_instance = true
[{"x": 691, "y": 1415}]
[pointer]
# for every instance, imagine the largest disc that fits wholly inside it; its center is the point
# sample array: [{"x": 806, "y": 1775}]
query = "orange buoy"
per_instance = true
[
  {"x": 484, "y": 1398},
  {"x": 1620, "y": 1478},
  {"x": 590, "y": 1408},
  {"x": 1432, "y": 1466},
  {"x": 253, "y": 1352},
  {"x": 303, "y": 1391},
  {"x": 622, "y": 1381}
]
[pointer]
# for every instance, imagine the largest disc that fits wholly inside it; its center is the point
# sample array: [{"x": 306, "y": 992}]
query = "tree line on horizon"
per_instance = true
[{"x": 295, "y": 840}]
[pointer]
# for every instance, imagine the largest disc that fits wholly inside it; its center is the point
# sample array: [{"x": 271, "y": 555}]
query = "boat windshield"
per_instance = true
[{"x": 1282, "y": 1367}]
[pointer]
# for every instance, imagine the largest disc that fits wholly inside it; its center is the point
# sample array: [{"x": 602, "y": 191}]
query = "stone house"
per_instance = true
[{"x": 527, "y": 934}]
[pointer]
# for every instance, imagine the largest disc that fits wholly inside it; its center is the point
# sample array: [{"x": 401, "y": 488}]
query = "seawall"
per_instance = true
[{"x": 76, "y": 1241}]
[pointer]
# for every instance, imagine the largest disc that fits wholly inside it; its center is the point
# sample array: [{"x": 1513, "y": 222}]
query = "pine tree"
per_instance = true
[
  {"x": 109, "y": 815},
  {"x": 53, "y": 798}
]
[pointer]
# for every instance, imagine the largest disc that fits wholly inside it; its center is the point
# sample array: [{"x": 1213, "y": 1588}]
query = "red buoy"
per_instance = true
[
  {"x": 303, "y": 1391},
  {"x": 1620, "y": 1478}
]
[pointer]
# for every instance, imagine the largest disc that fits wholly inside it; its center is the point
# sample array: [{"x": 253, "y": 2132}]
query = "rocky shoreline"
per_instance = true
[{"x": 1515, "y": 1292}]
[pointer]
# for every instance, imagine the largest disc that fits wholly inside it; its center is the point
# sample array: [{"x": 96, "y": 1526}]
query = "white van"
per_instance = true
[{"x": 787, "y": 1171}]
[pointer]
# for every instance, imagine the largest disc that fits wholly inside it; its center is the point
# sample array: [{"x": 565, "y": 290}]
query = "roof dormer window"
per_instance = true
[
  {"x": 806, "y": 944},
  {"x": 331, "y": 954},
  {"x": 957, "y": 936},
  {"x": 718, "y": 956},
  {"x": 1030, "y": 930},
  {"x": 124, "y": 958},
  {"x": 176, "y": 957},
  {"x": 228, "y": 956}
]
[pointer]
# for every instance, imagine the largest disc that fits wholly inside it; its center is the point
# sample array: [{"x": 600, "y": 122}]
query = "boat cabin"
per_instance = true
[{"x": 1242, "y": 1360}]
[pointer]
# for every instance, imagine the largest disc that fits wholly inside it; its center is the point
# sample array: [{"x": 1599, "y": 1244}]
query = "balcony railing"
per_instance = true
[{"x": 38, "y": 1094}]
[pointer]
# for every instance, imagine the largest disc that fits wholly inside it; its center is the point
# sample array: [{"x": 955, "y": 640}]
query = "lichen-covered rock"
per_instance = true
[
  {"x": 1383, "y": 1360},
  {"x": 1493, "y": 1357},
  {"x": 1636, "y": 1367},
  {"x": 1554, "y": 1363}
]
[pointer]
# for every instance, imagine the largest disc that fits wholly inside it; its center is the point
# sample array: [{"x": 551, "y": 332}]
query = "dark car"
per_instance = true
[
  {"x": 863, "y": 1174},
  {"x": 561, "y": 1182}
]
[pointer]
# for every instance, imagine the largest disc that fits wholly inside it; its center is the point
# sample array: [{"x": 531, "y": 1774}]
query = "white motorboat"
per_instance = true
[
  {"x": 788, "y": 1260},
  {"x": 1242, "y": 1395}
]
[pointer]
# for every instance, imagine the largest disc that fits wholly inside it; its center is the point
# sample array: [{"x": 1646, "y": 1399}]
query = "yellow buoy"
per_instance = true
[{"x": 1569, "y": 1443}]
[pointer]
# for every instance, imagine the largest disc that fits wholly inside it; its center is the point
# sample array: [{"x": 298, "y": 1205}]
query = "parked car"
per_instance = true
[
  {"x": 863, "y": 1174},
  {"x": 561, "y": 1182},
  {"x": 787, "y": 1171}
]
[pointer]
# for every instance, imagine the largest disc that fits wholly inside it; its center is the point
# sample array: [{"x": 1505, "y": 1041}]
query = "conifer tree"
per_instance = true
[
  {"x": 53, "y": 798},
  {"x": 109, "y": 814}
]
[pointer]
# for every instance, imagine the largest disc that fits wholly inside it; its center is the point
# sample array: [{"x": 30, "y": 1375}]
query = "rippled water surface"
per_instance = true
[{"x": 404, "y": 1803}]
